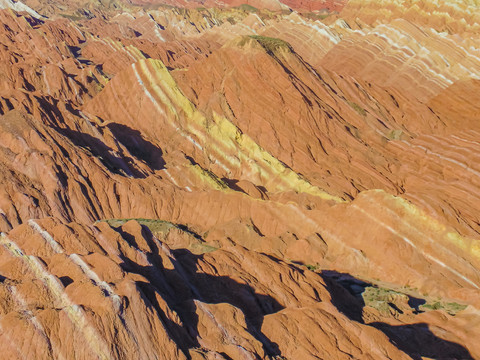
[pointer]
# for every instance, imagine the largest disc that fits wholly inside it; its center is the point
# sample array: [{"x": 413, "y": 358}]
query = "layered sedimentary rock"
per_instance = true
[
  {"x": 239, "y": 183},
  {"x": 124, "y": 294}
]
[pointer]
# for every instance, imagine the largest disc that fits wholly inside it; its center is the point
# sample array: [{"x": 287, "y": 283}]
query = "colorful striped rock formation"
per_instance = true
[{"x": 222, "y": 180}]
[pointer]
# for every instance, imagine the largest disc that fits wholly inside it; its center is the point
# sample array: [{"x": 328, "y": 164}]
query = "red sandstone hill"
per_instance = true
[
  {"x": 308, "y": 5},
  {"x": 283, "y": 180}
]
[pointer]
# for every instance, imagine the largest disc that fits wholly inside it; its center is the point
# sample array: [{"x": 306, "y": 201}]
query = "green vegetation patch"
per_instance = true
[
  {"x": 270, "y": 44},
  {"x": 382, "y": 299},
  {"x": 73, "y": 17},
  {"x": 361, "y": 111},
  {"x": 247, "y": 8},
  {"x": 450, "y": 307},
  {"x": 315, "y": 16},
  {"x": 395, "y": 134},
  {"x": 157, "y": 227},
  {"x": 373, "y": 293},
  {"x": 161, "y": 228},
  {"x": 203, "y": 248}
]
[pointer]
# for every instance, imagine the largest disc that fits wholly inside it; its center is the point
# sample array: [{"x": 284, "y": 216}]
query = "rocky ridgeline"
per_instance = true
[{"x": 267, "y": 181}]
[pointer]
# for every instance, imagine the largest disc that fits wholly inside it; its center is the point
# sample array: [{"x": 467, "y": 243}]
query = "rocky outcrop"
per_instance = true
[
  {"x": 239, "y": 183},
  {"x": 123, "y": 293}
]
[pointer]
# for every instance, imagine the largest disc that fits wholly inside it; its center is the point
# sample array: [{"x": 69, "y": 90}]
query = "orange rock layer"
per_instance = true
[{"x": 233, "y": 182}]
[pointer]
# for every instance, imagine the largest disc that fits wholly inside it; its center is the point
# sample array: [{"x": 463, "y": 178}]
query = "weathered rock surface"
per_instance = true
[{"x": 238, "y": 182}]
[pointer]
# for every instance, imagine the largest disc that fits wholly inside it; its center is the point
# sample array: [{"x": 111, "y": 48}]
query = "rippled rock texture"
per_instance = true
[{"x": 277, "y": 180}]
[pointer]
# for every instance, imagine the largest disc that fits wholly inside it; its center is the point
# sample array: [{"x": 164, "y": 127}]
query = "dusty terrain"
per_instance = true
[{"x": 220, "y": 180}]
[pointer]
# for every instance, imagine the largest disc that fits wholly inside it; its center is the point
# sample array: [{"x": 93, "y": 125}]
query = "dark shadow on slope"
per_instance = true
[
  {"x": 114, "y": 161},
  {"x": 138, "y": 146},
  {"x": 65, "y": 280},
  {"x": 416, "y": 340},
  {"x": 33, "y": 21},
  {"x": 222, "y": 289},
  {"x": 232, "y": 184},
  {"x": 182, "y": 286},
  {"x": 98, "y": 149},
  {"x": 346, "y": 291},
  {"x": 419, "y": 342},
  {"x": 415, "y": 303},
  {"x": 50, "y": 110}
]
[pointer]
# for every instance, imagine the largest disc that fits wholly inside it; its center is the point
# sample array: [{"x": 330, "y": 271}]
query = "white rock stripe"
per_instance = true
[
  {"x": 19, "y": 6},
  {"x": 72, "y": 85},
  {"x": 164, "y": 100},
  {"x": 117, "y": 302},
  {"x": 166, "y": 97},
  {"x": 450, "y": 149},
  {"x": 441, "y": 157},
  {"x": 46, "y": 236},
  {"x": 93, "y": 276},
  {"x": 413, "y": 229},
  {"x": 465, "y": 140},
  {"x": 91, "y": 126},
  {"x": 73, "y": 311},
  {"x": 321, "y": 29},
  {"x": 172, "y": 179},
  {"x": 412, "y": 244},
  {"x": 432, "y": 241},
  {"x": 45, "y": 80},
  {"x": 36, "y": 323},
  {"x": 80, "y": 263},
  {"x": 72, "y": 24},
  {"x": 453, "y": 161}
]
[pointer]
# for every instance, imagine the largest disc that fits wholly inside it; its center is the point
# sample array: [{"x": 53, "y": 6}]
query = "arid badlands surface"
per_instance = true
[{"x": 219, "y": 180}]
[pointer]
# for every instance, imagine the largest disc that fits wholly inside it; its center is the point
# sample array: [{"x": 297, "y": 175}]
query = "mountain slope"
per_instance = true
[{"x": 234, "y": 182}]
